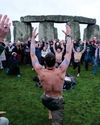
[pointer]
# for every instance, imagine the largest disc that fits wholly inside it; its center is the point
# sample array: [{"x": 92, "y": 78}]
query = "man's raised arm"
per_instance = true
[
  {"x": 4, "y": 27},
  {"x": 35, "y": 62},
  {"x": 84, "y": 47},
  {"x": 69, "y": 47}
]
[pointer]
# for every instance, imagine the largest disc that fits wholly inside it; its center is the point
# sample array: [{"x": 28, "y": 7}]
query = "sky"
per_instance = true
[{"x": 16, "y": 9}]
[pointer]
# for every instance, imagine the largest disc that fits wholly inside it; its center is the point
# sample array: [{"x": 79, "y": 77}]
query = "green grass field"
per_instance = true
[{"x": 21, "y": 99}]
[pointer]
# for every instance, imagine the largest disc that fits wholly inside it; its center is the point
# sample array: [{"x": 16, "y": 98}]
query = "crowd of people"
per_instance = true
[
  {"x": 12, "y": 55},
  {"x": 50, "y": 59}
]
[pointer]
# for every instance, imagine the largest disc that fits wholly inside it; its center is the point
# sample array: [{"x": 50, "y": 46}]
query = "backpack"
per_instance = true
[{"x": 69, "y": 82}]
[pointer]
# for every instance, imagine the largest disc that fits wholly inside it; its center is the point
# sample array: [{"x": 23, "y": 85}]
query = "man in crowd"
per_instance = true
[
  {"x": 52, "y": 78},
  {"x": 97, "y": 57},
  {"x": 77, "y": 58},
  {"x": 58, "y": 51}
]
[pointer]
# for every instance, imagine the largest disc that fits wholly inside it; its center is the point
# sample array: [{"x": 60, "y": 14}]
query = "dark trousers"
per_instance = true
[
  {"x": 4, "y": 64},
  {"x": 77, "y": 65},
  {"x": 13, "y": 71},
  {"x": 87, "y": 64}
]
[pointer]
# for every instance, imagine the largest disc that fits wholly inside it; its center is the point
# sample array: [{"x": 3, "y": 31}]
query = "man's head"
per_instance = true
[
  {"x": 50, "y": 60},
  {"x": 59, "y": 49},
  {"x": 78, "y": 49}
]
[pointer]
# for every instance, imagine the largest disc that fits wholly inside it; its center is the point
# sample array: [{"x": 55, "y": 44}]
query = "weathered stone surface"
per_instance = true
[
  {"x": 99, "y": 35},
  {"x": 22, "y": 31},
  {"x": 58, "y": 19},
  {"x": 85, "y": 34},
  {"x": 91, "y": 31},
  {"x": 46, "y": 31},
  {"x": 84, "y": 20},
  {"x": 55, "y": 33},
  {"x": 75, "y": 30},
  {"x": 8, "y": 37}
]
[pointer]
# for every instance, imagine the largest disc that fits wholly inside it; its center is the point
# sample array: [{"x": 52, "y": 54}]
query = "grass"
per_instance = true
[{"x": 21, "y": 99}]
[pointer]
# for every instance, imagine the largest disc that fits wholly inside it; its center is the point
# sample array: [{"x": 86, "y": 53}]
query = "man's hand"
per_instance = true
[
  {"x": 34, "y": 34},
  {"x": 68, "y": 30},
  {"x": 4, "y": 27},
  {"x": 34, "y": 58}
]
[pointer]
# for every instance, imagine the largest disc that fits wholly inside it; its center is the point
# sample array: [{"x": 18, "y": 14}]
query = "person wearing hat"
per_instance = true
[{"x": 3, "y": 120}]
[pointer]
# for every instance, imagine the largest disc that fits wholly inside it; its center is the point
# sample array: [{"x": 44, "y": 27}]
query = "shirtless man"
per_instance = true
[
  {"x": 52, "y": 79},
  {"x": 58, "y": 53},
  {"x": 77, "y": 57}
]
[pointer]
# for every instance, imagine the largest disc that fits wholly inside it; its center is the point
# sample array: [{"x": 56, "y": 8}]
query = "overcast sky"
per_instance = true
[{"x": 16, "y": 9}]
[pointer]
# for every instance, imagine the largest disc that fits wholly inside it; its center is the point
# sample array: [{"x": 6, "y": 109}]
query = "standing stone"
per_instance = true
[
  {"x": 99, "y": 34},
  {"x": 8, "y": 37},
  {"x": 22, "y": 31},
  {"x": 75, "y": 30},
  {"x": 46, "y": 31},
  {"x": 55, "y": 33},
  {"x": 91, "y": 31}
]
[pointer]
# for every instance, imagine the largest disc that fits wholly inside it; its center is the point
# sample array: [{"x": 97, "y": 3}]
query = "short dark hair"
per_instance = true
[
  {"x": 59, "y": 47},
  {"x": 50, "y": 59}
]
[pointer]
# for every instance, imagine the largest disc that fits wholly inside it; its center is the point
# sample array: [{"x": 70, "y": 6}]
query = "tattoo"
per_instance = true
[
  {"x": 34, "y": 62},
  {"x": 67, "y": 50},
  {"x": 32, "y": 49},
  {"x": 65, "y": 62}
]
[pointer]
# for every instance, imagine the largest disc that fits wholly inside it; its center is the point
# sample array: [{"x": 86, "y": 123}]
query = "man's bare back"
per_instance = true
[{"x": 52, "y": 81}]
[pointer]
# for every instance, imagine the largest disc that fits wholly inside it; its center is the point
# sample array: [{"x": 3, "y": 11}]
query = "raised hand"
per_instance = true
[
  {"x": 4, "y": 27},
  {"x": 68, "y": 30},
  {"x": 34, "y": 34}
]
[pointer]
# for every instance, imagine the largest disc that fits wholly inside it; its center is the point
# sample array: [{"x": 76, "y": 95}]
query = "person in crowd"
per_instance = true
[
  {"x": 58, "y": 51},
  {"x": 87, "y": 58},
  {"x": 77, "y": 58},
  {"x": 18, "y": 50},
  {"x": 13, "y": 67},
  {"x": 97, "y": 57},
  {"x": 3, "y": 120},
  {"x": 92, "y": 47},
  {"x": 52, "y": 78},
  {"x": 2, "y": 56},
  {"x": 44, "y": 51},
  {"x": 38, "y": 50},
  {"x": 27, "y": 59},
  {"x": 51, "y": 46}
]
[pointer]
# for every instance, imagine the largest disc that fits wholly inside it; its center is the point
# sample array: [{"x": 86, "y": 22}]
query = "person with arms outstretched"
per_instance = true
[{"x": 52, "y": 78}]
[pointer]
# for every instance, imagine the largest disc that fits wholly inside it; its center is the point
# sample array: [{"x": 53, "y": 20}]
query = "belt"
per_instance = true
[{"x": 54, "y": 97}]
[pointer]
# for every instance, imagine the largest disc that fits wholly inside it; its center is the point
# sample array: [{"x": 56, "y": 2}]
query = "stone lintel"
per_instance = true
[{"x": 58, "y": 19}]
